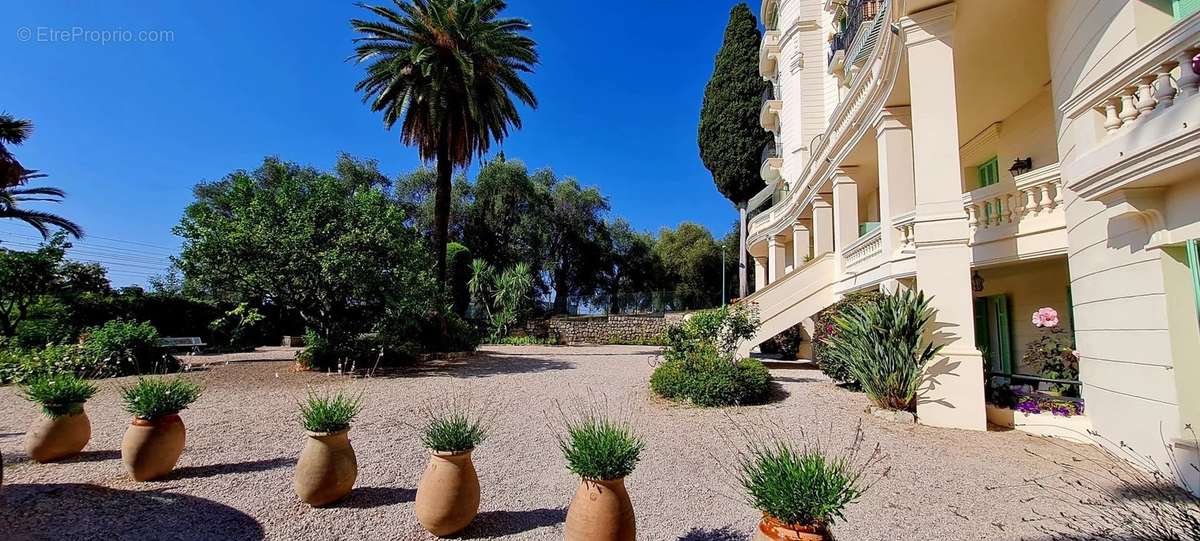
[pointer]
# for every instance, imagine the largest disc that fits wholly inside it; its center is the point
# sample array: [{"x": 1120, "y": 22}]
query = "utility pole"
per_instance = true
[{"x": 724, "y": 297}]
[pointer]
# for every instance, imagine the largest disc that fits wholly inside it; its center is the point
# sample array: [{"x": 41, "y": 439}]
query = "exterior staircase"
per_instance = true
[{"x": 792, "y": 299}]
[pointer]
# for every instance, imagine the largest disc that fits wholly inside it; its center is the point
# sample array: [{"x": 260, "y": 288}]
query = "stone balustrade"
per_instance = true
[
  {"x": 1032, "y": 194},
  {"x": 863, "y": 250}
]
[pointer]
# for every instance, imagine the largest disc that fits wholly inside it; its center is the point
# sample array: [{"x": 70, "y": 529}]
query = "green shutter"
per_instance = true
[
  {"x": 998, "y": 305},
  {"x": 982, "y": 336},
  {"x": 1193, "y": 258},
  {"x": 989, "y": 173},
  {"x": 867, "y": 227},
  {"x": 1184, "y": 8}
]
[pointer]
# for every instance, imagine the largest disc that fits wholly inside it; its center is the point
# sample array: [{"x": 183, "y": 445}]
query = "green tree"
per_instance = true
[
  {"x": 730, "y": 137},
  {"x": 447, "y": 70},
  {"x": 691, "y": 261},
  {"x": 508, "y": 219},
  {"x": 13, "y": 177},
  {"x": 25, "y": 277},
  {"x": 414, "y": 192},
  {"x": 334, "y": 249},
  {"x": 633, "y": 269},
  {"x": 578, "y": 244}
]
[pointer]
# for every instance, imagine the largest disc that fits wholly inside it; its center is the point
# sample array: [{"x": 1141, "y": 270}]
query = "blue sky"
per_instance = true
[{"x": 128, "y": 127}]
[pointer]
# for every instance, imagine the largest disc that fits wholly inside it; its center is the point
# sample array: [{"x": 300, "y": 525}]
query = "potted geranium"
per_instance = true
[
  {"x": 327, "y": 467},
  {"x": 64, "y": 429},
  {"x": 156, "y": 436},
  {"x": 448, "y": 494},
  {"x": 601, "y": 450},
  {"x": 800, "y": 491}
]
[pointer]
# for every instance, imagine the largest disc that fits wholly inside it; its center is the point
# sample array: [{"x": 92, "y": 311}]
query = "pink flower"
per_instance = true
[{"x": 1045, "y": 317}]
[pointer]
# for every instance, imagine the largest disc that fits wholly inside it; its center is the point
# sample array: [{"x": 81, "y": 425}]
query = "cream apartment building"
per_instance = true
[{"x": 1001, "y": 156}]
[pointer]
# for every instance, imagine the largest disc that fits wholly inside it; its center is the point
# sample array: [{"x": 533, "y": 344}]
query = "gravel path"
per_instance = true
[{"x": 234, "y": 479}]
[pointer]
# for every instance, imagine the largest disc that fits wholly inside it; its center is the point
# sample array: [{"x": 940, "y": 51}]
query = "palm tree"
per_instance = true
[
  {"x": 447, "y": 70},
  {"x": 13, "y": 176}
]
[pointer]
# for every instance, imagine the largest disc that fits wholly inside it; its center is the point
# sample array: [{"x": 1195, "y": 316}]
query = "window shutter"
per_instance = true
[
  {"x": 1184, "y": 8},
  {"x": 1003, "y": 333},
  {"x": 982, "y": 336}
]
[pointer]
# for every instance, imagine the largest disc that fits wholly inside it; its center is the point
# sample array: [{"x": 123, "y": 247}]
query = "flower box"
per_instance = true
[{"x": 1072, "y": 428}]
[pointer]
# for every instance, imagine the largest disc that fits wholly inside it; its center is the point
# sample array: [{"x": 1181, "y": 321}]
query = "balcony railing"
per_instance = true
[
  {"x": 905, "y": 225},
  {"x": 768, "y": 54},
  {"x": 772, "y": 164},
  {"x": 1033, "y": 194},
  {"x": 863, "y": 250},
  {"x": 857, "y": 13}
]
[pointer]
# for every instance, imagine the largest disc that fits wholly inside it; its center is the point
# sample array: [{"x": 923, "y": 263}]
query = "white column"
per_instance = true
[
  {"x": 952, "y": 395},
  {"x": 822, "y": 224},
  {"x": 800, "y": 243},
  {"x": 760, "y": 273},
  {"x": 897, "y": 187},
  {"x": 845, "y": 210},
  {"x": 776, "y": 258}
]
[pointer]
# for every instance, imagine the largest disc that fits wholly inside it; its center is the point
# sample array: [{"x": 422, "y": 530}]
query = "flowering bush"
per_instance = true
[
  {"x": 1032, "y": 404},
  {"x": 1052, "y": 353}
]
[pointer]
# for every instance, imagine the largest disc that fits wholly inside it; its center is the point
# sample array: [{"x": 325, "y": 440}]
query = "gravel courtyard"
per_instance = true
[{"x": 234, "y": 479}]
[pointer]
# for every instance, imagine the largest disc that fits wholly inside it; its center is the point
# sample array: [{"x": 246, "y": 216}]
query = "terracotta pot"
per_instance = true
[
  {"x": 448, "y": 495},
  {"x": 151, "y": 448},
  {"x": 601, "y": 511},
  {"x": 770, "y": 529},
  {"x": 56, "y": 438},
  {"x": 327, "y": 468}
]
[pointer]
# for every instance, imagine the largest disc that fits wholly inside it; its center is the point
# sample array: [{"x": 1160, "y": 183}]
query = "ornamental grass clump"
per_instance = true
[
  {"x": 59, "y": 394},
  {"x": 455, "y": 428},
  {"x": 882, "y": 346},
  {"x": 155, "y": 398},
  {"x": 600, "y": 447},
  {"x": 328, "y": 413}
]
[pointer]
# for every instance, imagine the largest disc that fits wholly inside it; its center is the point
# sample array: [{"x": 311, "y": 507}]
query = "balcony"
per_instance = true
[
  {"x": 1018, "y": 220},
  {"x": 856, "y": 15},
  {"x": 768, "y": 55},
  {"x": 769, "y": 14},
  {"x": 1150, "y": 113},
  {"x": 865, "y": 253},
  {"x": 772, "y": 166},
  {"x": 768, "y": 116}
]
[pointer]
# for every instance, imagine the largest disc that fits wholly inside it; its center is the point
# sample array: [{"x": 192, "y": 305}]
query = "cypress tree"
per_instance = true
[{"x": 730, "y": 137}]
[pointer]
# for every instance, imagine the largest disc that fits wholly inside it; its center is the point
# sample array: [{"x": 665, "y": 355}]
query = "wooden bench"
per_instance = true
[{"x": 193, "y": 342}]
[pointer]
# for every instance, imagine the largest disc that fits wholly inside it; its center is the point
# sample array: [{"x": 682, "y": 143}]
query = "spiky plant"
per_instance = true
[
  {"x": 447, "y": 71},
  {"x": 154, "y": 398},
  {"x": 327, "y": 412},
  {"x": 453, "y": 426},
  {"x": 882, "y": 345},
  {"x": 598, "y": 446},
  {"x": 59, "y": 393}
]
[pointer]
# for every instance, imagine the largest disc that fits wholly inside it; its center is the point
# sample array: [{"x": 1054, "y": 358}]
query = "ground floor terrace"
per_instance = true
[{"x": 234, "y": 480}]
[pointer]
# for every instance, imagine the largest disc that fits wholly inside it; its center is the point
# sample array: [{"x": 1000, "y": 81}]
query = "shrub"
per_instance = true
[
  {"x": 317, "y": 351},
  {"x": 19, "y": 365},
  {"x": 59, "y": 394},
  {"x": 825, "y": 332},
  {"x": 452, "y": 428},
  {"x": 721, "y": 328},
  {"x": 126, "y": 348},
  {"x": 235, "y": 329},
  {"x": 329, "y": 413},
  {"x": 708, "y": 379},
  {"x": 154, "y": 398},
  {"x": 598, "y": 447},
  {"x": 882, "y": 346},
  {"x": 796, "y": 485},
  {"x": 527, "y": 341}
]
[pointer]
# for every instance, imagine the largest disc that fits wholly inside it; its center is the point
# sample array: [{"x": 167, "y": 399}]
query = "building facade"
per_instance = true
[{"x": 1001, "y": 157}]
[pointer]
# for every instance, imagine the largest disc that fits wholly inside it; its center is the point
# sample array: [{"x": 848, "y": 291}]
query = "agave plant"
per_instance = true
[{"x": 882, "y": 346}]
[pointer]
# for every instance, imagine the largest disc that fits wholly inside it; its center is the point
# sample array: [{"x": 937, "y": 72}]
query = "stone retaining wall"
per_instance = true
[{"x": 612, "y": 329}]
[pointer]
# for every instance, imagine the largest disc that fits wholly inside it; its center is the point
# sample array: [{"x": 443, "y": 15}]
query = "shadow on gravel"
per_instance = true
[
  {"x": 559, "y": 353},
  {"x": 786, "y": 379},
  {"x": 79, "y": 511},
  {"x": 501, "y": 523},
  {"x": 777, "y": 393},
  {"x": 368, "y": 497},
  {"x": 721, "y": 534},
  {"x": 212, "y": 470},
  {"x": 476, "y": 366},
  {"x": 94, "y": 456}
]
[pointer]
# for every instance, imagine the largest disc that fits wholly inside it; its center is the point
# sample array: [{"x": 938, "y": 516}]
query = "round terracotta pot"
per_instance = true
[
  {"x": 770, "y": 529},
  {"x": 327, "y": 468},
  {"x": 601, "y": 511},
  {"x": 56, "y": 438},
  {"x": 448, "y": 495},
  {"x": 151, "y": 448}
]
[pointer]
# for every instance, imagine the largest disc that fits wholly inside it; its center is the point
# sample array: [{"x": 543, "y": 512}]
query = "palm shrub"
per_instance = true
[
  {"x": 155, "y": 398},
  {"x": 59, "y": 394},
  {"x": 882, "y": 346},
  {"x": 825, "y": 331},
  {"x": 328, "y": 413},
  {"x": 799, "y": 485},
  {"x": 502, "y": 297},
  {"x": 599, "y": 447}
]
